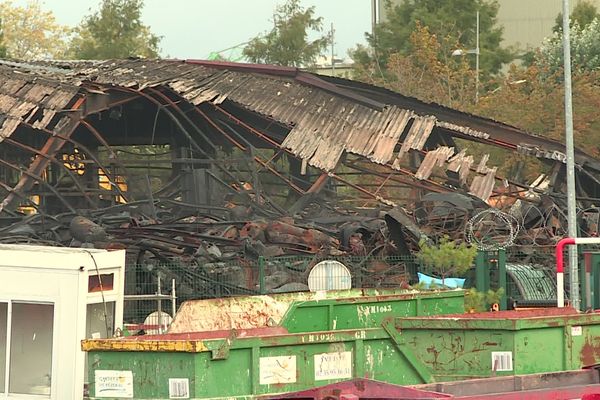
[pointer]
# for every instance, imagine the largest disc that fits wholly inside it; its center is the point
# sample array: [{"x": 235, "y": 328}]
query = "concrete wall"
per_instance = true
[{"x": 527, "y": 23}]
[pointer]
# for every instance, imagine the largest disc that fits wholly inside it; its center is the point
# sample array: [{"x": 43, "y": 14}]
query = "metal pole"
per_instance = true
[
  {"x": 571, "y": 200},
  {"x": 502, "y": 277},
  {"x": 332, "y": 61},
  {"x": 159, "y": 307},
  {"x": 173, "y": 299},
  {"x": 477, "y": 62},
  {"x": 373, "y": 16}
]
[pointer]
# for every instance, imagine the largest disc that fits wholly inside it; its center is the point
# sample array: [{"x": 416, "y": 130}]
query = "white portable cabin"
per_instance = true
[{"x": 50, "y": 300}]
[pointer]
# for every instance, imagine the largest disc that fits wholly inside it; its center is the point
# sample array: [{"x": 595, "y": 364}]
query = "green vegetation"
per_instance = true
[
  {"x": 114, "y": 31},
  {"x": 582, "y": 15},
  {"x": 287, "y": 43},
  {"x": 447, "y": 258},
  {"x": 29, "y": 32},
  {"x": 2, "y": 45},
  {"x": 453, "y": 22},
  {"x": 476, "y": 301}
]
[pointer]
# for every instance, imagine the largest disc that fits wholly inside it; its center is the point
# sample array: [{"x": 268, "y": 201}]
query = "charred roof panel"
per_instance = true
[
  {"x": 26, "y": 97},
  {"x": 437, "y": 157},
  {"x": 483, "y": 185}
]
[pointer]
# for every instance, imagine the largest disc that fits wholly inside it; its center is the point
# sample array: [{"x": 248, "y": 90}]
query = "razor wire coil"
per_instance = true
[{"x": 492, "y": 224}]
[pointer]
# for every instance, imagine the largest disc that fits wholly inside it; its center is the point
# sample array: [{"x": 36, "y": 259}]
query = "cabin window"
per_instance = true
[
  {"x": 27, "y": 351},
  {"x": 3, "y": 335},
  {"x": 106, "y": 279}
]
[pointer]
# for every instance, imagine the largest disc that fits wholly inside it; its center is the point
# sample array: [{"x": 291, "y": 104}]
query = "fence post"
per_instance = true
[
  {"x": 173, "y": 299},
  {"x": 480, "y": 275},
  {"x": 159, "y": 292},
  {"x": 261, "y": 275},
  {"x": 502, "y": 277}
]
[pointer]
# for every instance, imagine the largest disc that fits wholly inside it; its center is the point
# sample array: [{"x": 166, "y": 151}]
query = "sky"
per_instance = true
[{"x": 195, "y": 28}]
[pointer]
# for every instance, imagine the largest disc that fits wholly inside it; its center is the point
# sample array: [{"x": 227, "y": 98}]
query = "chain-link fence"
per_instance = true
[
  {"x": 264, "y": 275},
  {"x": 530, "y": 276}
]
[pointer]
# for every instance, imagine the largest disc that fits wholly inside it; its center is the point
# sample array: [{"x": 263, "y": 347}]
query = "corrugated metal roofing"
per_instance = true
[
  {"x": 482, "y": 186},
  {"x": 31, "y": 99},
  {"x": 437, "y": 157},
  {"x": 325, "y": 121},
  {"x": 461, "y": 163},
  {"x": 462, "y": 129},
  {"x": 542, "y": 153},
  {"x": 323, "y": 125}
]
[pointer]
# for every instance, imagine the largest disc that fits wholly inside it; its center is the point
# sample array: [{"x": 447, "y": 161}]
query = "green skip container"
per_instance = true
[
  {"x": 311, "y": 312},
  {"x": 256, "y": 362},
  {"x": 502, "y": 343}
]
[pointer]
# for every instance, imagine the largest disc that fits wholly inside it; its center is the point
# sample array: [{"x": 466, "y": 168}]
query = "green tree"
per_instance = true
[
  {"x": 445, "y": 19},
  {"x": 429, "y": 72},
  {"x": 29, "y": 32},
  {"x": 585, "y": 48},
  {"x": 287, "y": 43},
  {"x": 447, "y": 258},
  {"x": 582, "y": 15},
  {"x": 115, "y": 31},
  {"x": 476, "y": 301}
]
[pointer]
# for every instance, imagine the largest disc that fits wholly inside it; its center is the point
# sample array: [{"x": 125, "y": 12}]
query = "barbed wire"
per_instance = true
[{"x": 519, "y": 225}]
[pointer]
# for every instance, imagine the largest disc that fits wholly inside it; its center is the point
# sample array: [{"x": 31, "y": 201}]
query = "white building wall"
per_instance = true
[{"x": 60, "y": 276}]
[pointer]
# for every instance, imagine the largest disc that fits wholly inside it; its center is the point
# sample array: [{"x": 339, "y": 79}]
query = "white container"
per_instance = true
[{"x": 50, "y": 300}]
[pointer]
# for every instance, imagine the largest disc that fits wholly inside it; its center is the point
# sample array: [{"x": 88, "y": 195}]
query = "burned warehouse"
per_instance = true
[{"x": 203, "y": 162}]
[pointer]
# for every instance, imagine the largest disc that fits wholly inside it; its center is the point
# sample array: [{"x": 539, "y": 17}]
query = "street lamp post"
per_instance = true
[
  {"x": 570, "y": 150},
  {"x": 477, "y": 61},
  {"x": 460, "y": 52}
]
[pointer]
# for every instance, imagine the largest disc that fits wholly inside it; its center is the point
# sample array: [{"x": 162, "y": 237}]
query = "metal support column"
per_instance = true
[{"x": 570, "y": 150}]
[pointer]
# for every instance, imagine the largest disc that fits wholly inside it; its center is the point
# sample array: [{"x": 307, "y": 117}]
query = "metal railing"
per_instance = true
[{"x": 156, "y": 322}]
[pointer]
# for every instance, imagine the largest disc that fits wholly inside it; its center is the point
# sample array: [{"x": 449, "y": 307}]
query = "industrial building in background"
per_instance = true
[{"x": 525, "y": 23}]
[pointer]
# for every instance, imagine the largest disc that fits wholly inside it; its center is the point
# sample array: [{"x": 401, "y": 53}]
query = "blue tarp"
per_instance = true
[{"x": 452, "y": 283}]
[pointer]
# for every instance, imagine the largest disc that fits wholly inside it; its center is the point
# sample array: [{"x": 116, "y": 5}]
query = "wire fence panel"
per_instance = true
[
  {"x": 529, "y": 274},
  {"x": 261, "y": 276}
]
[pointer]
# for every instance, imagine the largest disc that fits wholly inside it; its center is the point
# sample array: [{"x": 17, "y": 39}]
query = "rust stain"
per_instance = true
[
  {"x": 590, "y": 351},
  {"x": 489, "y": 344},
  {"x": 436, "y": 354}
]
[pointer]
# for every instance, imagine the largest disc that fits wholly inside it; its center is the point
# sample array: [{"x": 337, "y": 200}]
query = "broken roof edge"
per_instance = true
[
  {"x": 427, "y": 108},
  {"x": 304, "y": 77}
]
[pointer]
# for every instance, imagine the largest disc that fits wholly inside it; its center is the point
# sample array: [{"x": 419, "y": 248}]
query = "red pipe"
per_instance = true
[{"x": 559, "y": 253}]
